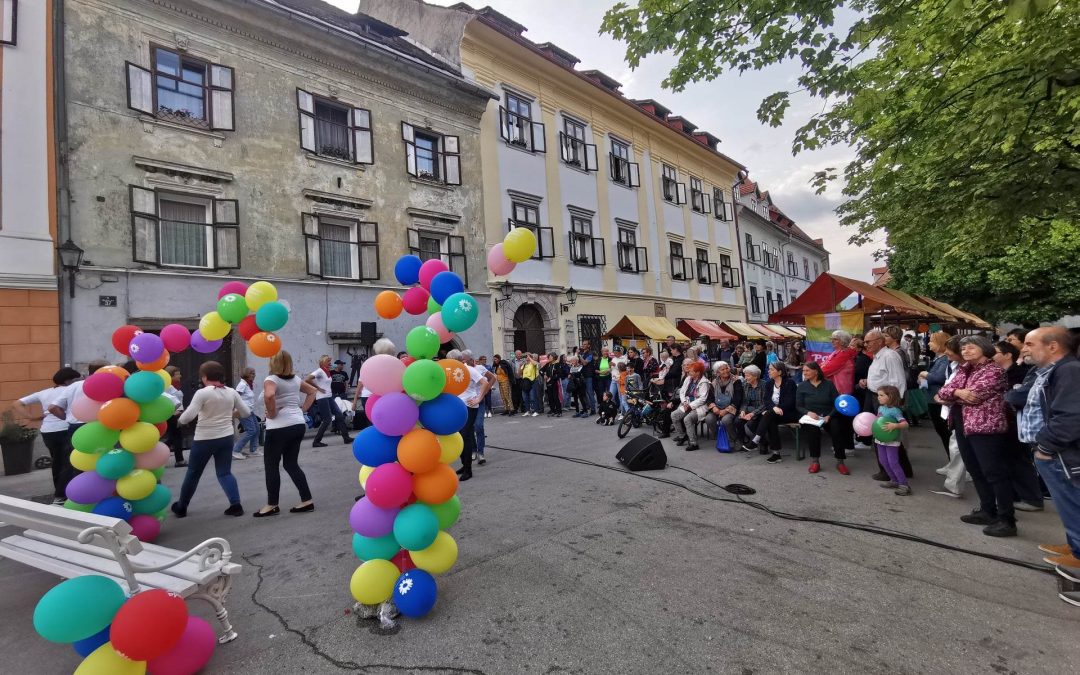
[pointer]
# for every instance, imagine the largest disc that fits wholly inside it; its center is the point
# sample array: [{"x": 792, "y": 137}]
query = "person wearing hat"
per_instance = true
[{"x": 339, "y": 379}]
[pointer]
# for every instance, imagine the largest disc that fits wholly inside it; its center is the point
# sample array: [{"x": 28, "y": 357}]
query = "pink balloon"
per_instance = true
[
  {"x": 498, "y": 263},
  {"x": 238, "y": 287},
  {"x": 381, "y": 374},
  {"x": 176, "y": 338},
  {"x": 429, "y": 269},
  {"x": 190, "y": 654},
  {"x": 389, "y": 486},
  {"x": 369, "y": 407},
  {"x": 415, "y": 299},
  {"x": 864, "y": 423},
  {"x": 85, "y": 409},
  {"x": 157, "y": 456},
  {"x": 435, "y": 323},
  {"x": 145, "y": 527},
  {"x": 103, "y": 387}
]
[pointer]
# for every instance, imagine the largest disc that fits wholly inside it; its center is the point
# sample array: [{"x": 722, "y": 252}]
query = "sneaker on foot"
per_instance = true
[
  {"x": 889, "y": 485},
  {"x": 1071, "y": 597},
  {"x": 747, "y": 447},
  {"x": 942, "y": 471},
  {"x": 253, "y": 454},
  {"x": 946, "y": 493},
  {"x": 1063, "y": 561},
  {"x": 775, "y": 458},
  {"x": 1002, "y": 528},
  {"x": 536, "y": 414},
  {"x": 1026, "y": 506},
  {"x": 1056, "y": 549},
  {"x": 525, "y": 414},
  {"x": 903, "y": 491},
  {"x": 861, "y": 446},
  {"x": 481, "y": 461},
  {"x": 318, "y": 444},
  {"x": 1070, "y": 573},
  {"x": 58, "y": 501},
  {"x": 978, "y": 517},
  {"x": 238, "y": 455}
]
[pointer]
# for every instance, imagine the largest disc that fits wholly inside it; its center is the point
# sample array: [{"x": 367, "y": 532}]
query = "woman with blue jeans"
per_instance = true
[
  {"x": 215, "y": 406},
  {"x": 249, "y": 425}
]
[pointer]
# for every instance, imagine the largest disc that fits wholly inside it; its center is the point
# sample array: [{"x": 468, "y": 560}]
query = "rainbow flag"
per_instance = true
[{"x": 819, "y": 328}]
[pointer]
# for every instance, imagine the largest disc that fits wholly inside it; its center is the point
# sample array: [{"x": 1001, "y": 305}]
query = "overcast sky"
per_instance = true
[{"x": 725, "y": 107}]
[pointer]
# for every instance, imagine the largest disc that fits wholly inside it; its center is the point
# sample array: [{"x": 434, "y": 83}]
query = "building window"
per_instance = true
[
  {"x": 806, "y": 269},
  {"x": 699, "y": 201},
  {"x": 707, "y": 272},
  {"x": 816, "y": 270},
  {"x": 721, "y": 209},
  {"x": 575, "y": 151},
  {"x": 431, "y": 156},
  {"x": 517, "y": 126},
  {"x": 333, "y": 129},
  {"x": 182, "y": 89},
  {"x": 681, "y": 268},
  {"x": 528, "y": 215},
  {"x": 174, "y": 229},
  {"x": 793, "y": 296},
  {"x": 729, "y": 276},
  {"x": 585, "y": 249},
  {"x": 749, "y": 254},
  {"x": 341, "y": 248},
  {"x": 428, "y": 245},
  {"x": 9, "y": 10},
  {"x": 792, "y": 267},
  {"x": 755, "y": 300},
  {"x": 674, "y": 191},
  {"x": 632, "y": 258},
  {"x": 623, "y": 171}
]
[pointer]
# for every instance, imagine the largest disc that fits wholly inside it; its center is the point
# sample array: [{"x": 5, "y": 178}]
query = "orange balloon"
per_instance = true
[
  {"x": 457, "y": 376},
  {"x": 264, "y": 344},
  {"x": 119, "y": 413},
  {"x": 419, "y": 451},
  {"x": 388, "y": 305},
  {"x": 435, "y": 486},
  {"x": 115, "y": 370},
  {"x": 152, "y": 366}
]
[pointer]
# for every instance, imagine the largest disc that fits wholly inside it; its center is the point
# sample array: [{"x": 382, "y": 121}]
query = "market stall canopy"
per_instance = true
[
  {"x": 782, "y": 331},
  {"x": 709, "y": 329},
  {"x": 962, "y": 316},
  {"x": 652, "y": 327},
  {"x": 744, "y": 330}
]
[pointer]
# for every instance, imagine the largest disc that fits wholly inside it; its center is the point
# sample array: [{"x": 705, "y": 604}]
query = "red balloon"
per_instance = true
[
  {"x": 148, "y": 625},
  {"x": 161, "y": 427},
  {"x": 403, "y": 561},
  {"x": 370, "y": 405},
  {"x": 247, "y": 327},
  {"x": 407, "y": 360},
  {"x": 121, "y": 337}
]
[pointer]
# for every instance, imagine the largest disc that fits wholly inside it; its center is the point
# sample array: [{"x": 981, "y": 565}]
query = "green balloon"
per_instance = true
[
  {"x": 415, "y": 527},
  {"x": 95, "y": 438},
  {"x": 144, "y": 386},
  {"x": 115, "y": 464},
  {"x": 158, "y": 472},
  {"x": 423, "y": 380},
  {"x": 162, "y": 515},
  {"x": 422, "y": 343},
  {"x": 432, "y": 306},
  {"x": 272, "y": 316},
  {"x": 880, "y": 434},
  {"x": 75, "y": 506},
  {"x": 232, "y": 307},
  {"x": 375, "y": 548},
  {"x": 460, "y": 312},
  {"x": 156, "y": 501},
  {"x": 158, "y": 410},
  {"x": 447, "y": 512},
  {"x": 78, "y": 608}
]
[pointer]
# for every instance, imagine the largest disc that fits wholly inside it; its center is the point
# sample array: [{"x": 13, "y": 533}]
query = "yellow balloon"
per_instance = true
[
  {"x": 373, "y": 581},
  {"x": 451, "y": 446},
  {"x": 439, "y": 557},
  {"x": 260, "y": 293},
  {"x": 136, "y": 485},
  {"x": 365, "y": 471},
  {"x": 84, "y": 461},
  {"x": 139, "y": 437},
  {"x": 106, "y": 661},
  {"x": 213, "y": 327},
  {"x": 520, "y": 244},
  {"x": 165, "y": 377}
]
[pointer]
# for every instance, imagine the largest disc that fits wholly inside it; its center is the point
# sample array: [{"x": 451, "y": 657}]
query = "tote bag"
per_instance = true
[{"x": 722, "y": 442}]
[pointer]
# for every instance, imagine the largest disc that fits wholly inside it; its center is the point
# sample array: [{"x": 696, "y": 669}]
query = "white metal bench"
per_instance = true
[{"x": 71, "y": 544}]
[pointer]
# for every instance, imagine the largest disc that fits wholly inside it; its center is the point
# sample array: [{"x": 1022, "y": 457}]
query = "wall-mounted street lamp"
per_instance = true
[
  {"x": 571, "y": 297},
  {"x": 507, "y": 292},
  {"x": 70, "y": 259}
]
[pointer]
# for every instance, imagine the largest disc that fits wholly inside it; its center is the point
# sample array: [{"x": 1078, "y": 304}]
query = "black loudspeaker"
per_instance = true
[
  {"x": 643, "y": 453},
  {"x": 367, "y": 333}
]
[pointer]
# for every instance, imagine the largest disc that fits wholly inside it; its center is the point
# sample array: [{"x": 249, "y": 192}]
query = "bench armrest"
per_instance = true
[{"x": 212, "y": 552}]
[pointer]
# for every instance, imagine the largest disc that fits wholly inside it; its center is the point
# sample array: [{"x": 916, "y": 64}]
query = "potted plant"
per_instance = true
[{"x": 17, "y": 444}]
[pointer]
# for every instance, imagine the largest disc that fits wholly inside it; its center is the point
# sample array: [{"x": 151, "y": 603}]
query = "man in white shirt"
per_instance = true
[
  {"x": 54, "y": 428},
  {"x": 480, "y": 382},
  {"x": 324, "y": 403},
  {"x": 250, "y": 424}
]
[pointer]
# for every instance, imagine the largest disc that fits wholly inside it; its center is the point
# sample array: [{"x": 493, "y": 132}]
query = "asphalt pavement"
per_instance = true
[{"x": 567, "y": 567}]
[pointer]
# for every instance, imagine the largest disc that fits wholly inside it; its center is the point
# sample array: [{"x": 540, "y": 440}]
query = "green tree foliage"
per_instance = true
[{"x": 964, "y": 116}]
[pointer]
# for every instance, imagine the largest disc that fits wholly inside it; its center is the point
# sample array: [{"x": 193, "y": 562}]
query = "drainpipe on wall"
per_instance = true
[
  {"x": 740, "y": 177},
  {"x": 63, "y": 195}
]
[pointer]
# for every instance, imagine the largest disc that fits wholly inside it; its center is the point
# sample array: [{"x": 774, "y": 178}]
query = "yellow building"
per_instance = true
[{"x": 632, "y": 205}]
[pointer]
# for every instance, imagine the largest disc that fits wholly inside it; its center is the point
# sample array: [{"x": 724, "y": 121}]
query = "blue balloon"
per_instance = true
[
  {"x": 371, "y": 447},
  {"x": 445, "y": 284},
  {"x": 847, "y": 405},
  {"x": 87, "y": 645},
  {"x": 445, "y": 414},
  {"x": 415, "y": 593},
  {"x": 114, "y": 507},
  {"x": 407, "y": 270}
]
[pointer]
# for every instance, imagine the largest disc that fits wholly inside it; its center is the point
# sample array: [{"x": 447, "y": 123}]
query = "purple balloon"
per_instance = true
[
  {"x": 90, "y": 488},
  {"x": 369, "y": 520},
  {"x": 202, "y": 345},
  {"x": 395, "y": 414},
  {"x": 146, "y": 348}
]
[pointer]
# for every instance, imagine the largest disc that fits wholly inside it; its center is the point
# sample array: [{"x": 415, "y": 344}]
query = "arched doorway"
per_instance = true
[{"x": 529, "y": 329}]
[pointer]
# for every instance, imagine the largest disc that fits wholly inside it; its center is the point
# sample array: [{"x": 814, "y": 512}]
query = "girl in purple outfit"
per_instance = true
[{"x": 889, "y": 452}]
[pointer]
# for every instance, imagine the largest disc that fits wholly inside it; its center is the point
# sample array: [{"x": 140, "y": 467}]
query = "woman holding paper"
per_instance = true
[{"x": 814, "y": 400}]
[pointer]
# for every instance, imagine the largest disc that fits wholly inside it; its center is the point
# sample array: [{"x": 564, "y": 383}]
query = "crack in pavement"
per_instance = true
[{"x": 341, "y": 665}]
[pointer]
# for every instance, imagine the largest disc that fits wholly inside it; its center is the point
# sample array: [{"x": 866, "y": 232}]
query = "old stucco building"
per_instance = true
[{"x": 249, "y": 139}]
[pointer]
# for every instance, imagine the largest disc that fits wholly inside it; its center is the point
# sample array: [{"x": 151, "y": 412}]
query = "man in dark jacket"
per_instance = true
[
  {"x": 1050, "y": 421},
  {"x": 761, "y": 359}
]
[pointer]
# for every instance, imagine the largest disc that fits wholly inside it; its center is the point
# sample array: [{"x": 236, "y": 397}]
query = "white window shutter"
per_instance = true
[
  {"x": 564, "y": 146},
  {"x": 408, "y": 134},
  {"x": 144, "y": 225},
  {"x": 221, "y": 98},
  {"x": 504, "y": 124},
  {"x": 680, "y": 193},
  {"x": 635, "y": 175},
  {"x": 363, "y": 151},
  {"x": 591, "y": 163},
  {"x": 707, "y": 206},
  {"x": 310, "y": 228},
  {"x": 539, "y": 142},
  {"x": 305, "y": 104},
  {"x": 451, "y": 160},
  {"x": 140, "y": 89}
]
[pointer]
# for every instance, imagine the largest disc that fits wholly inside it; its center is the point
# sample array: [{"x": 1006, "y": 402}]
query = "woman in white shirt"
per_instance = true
[
  {"x": 215, "y": 405},
  {"x": 249, "y": 425},
  {"x": 324, "y": 404},
  {"x": 287, "y": 397},
  {"x": 54, "y": 430}
]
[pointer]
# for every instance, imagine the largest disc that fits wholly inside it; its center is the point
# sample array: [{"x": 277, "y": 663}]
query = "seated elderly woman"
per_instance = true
[
  {"x": 752, "y": 405},
  {"x": 727, "y": 401}
]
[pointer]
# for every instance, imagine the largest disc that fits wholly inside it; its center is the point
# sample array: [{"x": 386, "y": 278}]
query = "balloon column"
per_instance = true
[
  {"x": 119, "y": 448},
  {"x": 116, "y": 635},
  {"x": 400, "y": 525}
]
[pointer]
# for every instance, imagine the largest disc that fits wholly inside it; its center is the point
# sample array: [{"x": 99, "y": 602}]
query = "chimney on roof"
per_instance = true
[
  {"x": 705, "y": 138},
  {"x": 556, "y": 52},
  {"x": 604, "y": 80}
]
